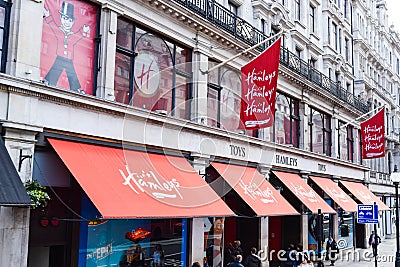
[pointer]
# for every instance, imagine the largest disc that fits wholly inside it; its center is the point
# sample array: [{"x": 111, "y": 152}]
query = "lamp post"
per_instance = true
[{"x": 395, "y": 177}]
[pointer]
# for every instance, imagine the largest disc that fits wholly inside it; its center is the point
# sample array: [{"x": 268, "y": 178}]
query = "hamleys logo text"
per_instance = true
[{"x": 147, "y": 181}]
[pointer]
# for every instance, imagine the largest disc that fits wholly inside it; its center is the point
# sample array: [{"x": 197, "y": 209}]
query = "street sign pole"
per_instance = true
[{"x": 376, "y": 233}]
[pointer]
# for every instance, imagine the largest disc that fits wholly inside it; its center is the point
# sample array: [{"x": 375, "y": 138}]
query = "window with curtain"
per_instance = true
[
  {"x": 151, "y": 72},
  {"x": 223, "y": 99},
  {"x": 320, "y": 132},
  {"x": 286, "y": 125},
  {"x": 346, "y": 142}
]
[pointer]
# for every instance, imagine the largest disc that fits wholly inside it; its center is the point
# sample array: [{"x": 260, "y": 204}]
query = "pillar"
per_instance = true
[
  {"x": 14, "y": 222},
  {"x": 108, "y": 31},
  {"x": 196, "y": 250},
  {"x": 200, "y": 79},
  {"x": 264, "y": 223},
  {"x": 25, "y": 40},
  {"x": 304, "y": 219}
]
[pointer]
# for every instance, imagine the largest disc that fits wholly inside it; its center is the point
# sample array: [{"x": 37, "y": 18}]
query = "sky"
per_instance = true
[{"x": 393, "y": 8}]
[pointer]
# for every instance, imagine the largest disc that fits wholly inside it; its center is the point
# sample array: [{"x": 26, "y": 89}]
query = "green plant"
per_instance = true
[{"x": 37, "y": 194}]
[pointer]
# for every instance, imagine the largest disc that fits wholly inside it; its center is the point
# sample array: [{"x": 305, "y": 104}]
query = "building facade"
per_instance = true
[{"x": 96, "y": 84}]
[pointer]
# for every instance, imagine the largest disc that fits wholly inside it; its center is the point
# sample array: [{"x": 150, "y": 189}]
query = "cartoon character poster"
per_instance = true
[{"x": 68, "y": 44}]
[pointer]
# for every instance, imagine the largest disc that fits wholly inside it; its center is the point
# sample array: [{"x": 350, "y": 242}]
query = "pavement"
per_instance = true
[{"x": 364, "y": 258}]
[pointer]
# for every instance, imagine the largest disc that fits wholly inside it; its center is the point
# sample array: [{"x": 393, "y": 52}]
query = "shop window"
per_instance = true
[
  {"x": 157, "y": 71},
  {"x": 286, "y": 125},
  {"x": 5, "y": 10},
  {"x": 131, "y": 242},
  {"x": 346, "y": 229},
  {"x": 69, "y": 46},
  {"x": 320, "y": 132},
  {"x": 224, "y": 96}
]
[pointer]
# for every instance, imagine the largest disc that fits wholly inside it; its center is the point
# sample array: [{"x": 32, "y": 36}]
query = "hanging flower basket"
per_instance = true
[{"x": 37, "y": 193}]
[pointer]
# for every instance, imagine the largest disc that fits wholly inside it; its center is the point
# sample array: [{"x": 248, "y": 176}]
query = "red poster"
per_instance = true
[
  {"x": 373, "y": 136},
  {"x": 259, "y": 81},
  {"x": 68, "y": 44}
]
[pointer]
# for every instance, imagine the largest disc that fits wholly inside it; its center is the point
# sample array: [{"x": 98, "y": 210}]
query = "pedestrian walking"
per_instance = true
[
  {"x": 252, "y": 260},
  {"x": 374, "y": 241},
  {"x": 331, "y": 250}
]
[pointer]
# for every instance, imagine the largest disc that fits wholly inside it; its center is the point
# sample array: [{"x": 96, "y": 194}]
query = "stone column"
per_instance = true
[
  {"x": 264, "y": 223},
  {"x": 108, "y": 31},
  {"x": 335, "y": 135},
  {"x": 304, "y": 218},
  {"x": 304, "y": 111},
  {"x": 200, "y": 79},
  {"x": 14, "y": 222},
  {"x": 335, "y": 217},
  {"x": 25, "y": 40},
  {"x": 196, "y": 250}
]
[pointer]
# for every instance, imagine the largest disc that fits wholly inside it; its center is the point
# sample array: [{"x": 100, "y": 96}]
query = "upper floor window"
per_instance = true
[
  {"x": 312, "y": 18},
  {"x": 151, "y": 72},
  {"x": 5, "y": 10},
  {"x": 233, "y": 8},
  {"x": 335, "y": 35},
  {"x": 329, "y": 30},
  {"x": 223, "y": 99},
  {"x": 69, "y": 46},
  {"x": 345, "y": 142},
  {"x": 320, "y": 132},
  {"x": 347, "y": 49},
  {"x": 297, "y": 9},
  {"x": 345, "y": 6},
  {"x": 286, "y": 125}
]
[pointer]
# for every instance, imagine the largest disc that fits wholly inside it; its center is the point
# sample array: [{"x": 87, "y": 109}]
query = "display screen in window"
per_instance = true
[
  {"x": 134, "y": 242},
  {"x": 68, "y": 45}
]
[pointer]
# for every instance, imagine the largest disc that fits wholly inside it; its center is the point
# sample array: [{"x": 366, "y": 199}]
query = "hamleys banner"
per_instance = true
[
  {"x": 259, "y": 81},
  {"x": 373, "y": 136}
]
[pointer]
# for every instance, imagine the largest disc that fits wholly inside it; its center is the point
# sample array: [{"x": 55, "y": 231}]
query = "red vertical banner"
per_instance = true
[
  {"x": 259, "y": 82},
  {"x": 68, "y": 44},
  {"x": 373, "y": 136}
]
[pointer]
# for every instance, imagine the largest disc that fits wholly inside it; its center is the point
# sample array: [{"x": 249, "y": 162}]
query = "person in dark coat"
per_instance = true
[
  {"x": 331, "y": 250},
  {"x": 290, "y": 256},
  {"x": 252, "y": 260},
  {"x": 238, "y": 249},
  {"x": 237, "y": 262},
  {"x": 229, "y": 254},
  {"x": 374, "y": 241}
]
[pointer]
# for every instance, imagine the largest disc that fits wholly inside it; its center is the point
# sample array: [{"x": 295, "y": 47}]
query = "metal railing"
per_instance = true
[{"x": 242, "y": 30}]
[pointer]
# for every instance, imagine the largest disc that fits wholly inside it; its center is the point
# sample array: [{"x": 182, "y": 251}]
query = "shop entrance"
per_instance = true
[{"x": 360, "y": 235}]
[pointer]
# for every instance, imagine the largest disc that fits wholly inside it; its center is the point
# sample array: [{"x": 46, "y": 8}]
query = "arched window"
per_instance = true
[
  {"x": 223, "y": 99},
  {"x": 151, "y": 72}
]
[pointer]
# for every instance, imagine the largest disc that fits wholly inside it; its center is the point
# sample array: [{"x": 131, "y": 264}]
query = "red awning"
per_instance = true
[
  {"x": 255, "y": 190},
  {"x": 131, "y": 184},
  {"x": 336, "y": 193},
  {"x": 364, "y": 195},
  {"x": 304, "y": 192}
]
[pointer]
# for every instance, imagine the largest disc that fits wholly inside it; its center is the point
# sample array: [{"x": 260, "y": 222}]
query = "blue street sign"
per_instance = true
[{"x": 367, "y": 213}]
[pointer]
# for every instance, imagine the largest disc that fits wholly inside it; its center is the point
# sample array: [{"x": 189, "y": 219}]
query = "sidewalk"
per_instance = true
[{"x": 363, "y": 257}]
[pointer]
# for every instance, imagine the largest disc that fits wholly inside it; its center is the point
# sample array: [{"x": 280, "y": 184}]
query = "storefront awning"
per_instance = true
[
  {"x": 132, "y": 184},
  {"x": 12, "y": 191},
  {"x": 255, "y": 190},
  {"x": 304, "y": 192},
  {"x": 336, "y": 193},
  {"x": 363, "y": 194}
]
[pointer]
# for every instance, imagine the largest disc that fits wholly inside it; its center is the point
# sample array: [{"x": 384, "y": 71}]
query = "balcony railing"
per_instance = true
[{"x": 242, "y": 30}]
